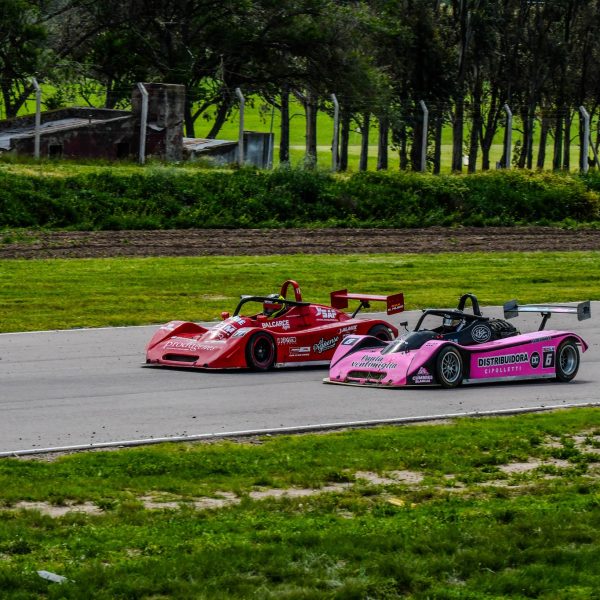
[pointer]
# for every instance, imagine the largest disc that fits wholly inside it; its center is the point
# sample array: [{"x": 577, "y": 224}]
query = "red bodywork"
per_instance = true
[{"x": 305, "y": 334}]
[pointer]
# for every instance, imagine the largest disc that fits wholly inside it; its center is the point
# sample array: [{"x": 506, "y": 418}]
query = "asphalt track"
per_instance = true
[{"x": 86, "y": 388}]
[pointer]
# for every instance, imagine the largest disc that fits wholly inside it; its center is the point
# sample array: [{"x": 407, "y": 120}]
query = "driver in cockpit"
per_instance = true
[{"x": 274, "y": 306}]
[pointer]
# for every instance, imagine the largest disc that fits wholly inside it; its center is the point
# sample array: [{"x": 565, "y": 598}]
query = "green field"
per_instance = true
[
  {"x": 476, "y": 509},
  {"x": 49, "y": 294}
]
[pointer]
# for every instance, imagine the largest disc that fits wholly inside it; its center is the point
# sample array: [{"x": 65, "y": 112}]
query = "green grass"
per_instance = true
[
  {"x": 60, "y": 294},
  {"x": 467, "y": 529}
]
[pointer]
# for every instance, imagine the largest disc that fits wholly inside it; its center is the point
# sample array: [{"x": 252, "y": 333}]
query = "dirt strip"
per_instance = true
[{"x": 244, "y": 242}]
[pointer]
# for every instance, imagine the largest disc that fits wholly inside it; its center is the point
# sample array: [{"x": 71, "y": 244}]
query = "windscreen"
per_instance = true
[{"x": 409, "y": 341}]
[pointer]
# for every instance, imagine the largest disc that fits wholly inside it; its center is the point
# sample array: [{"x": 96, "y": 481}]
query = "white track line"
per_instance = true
[{"x": 297, "y": 429}]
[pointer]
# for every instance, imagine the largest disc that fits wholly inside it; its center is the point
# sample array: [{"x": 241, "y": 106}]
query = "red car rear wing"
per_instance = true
[{"x": 395, "y": 302}]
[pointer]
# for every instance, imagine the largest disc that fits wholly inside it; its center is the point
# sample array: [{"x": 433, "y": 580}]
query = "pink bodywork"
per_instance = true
[{"x": 524, "y": 356}]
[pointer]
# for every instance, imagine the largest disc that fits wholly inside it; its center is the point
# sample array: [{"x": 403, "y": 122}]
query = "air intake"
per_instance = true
[
  {"x": 374, "y": 376},
  {"x": 186, "y": 358}
]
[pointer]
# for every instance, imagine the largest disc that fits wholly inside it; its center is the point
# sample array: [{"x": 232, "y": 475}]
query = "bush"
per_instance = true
[{"x": 163, "y": 199}]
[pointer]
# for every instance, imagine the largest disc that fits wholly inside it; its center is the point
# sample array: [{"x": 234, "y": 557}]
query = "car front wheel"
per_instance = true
[
  {"x": 449, "y": 367},
  {"x": 260, "y": 352}
]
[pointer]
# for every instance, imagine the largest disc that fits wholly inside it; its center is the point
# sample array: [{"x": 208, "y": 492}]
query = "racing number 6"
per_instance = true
[{"x": 260, "y": 352}]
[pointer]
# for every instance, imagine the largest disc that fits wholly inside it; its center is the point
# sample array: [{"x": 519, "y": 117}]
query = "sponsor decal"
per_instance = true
[
  {"x": 510, "y": 370},
  {"x": 286, "y": 341},
  {"x": 397, "y": 306},
  {"x": 326, "y": 313},
  {"x": 241, "y": 332},
  {"x": 284, "y": 324},
  {"x": 534, "y": 360},
  {"x": 481, "y": 333},
  {"x": 548, "y": 357},
  {"x": 226, "y": 328},
  {"x": 324, "y": 345},
  {"x": 373, "y": 362},
  {"x": 422, "y": 376},
  {"x": 348, "y": 329},
  {"x": 503, "y": 360},
  {"x": 181, "y": 344},
  {"x": 349, "y": 341},
  {"x": 300, "y": 351}
]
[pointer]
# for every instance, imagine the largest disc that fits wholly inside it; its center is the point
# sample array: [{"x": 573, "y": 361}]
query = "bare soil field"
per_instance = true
[{"x": 233, "y": 242}]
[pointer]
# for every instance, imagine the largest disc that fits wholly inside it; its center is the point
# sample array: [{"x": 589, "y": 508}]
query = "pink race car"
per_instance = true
[{"x": 466, "y": 348}]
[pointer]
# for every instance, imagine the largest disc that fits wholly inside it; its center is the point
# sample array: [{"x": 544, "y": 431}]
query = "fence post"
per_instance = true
[
  {"x": 38, "y": 117},
  {"x": 242, "y": 100},
  {"x": 508, "y": 137},
  {"x": 584, "y": 164},
  {"x": 424, "y": 136},
  {"x": 143, "y": 123},
  {"x": 336, "y": 133}
]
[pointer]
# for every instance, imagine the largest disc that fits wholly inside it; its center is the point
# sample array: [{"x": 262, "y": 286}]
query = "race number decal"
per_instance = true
[{"x": 548, "y": 357}]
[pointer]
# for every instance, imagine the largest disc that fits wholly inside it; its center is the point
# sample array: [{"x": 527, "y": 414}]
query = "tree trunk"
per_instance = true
[
  {"x": 567, "y": 142},
  {"x": 110, "y": 100},
  {"x": 530, "y": 131},
  {"x": 310, "y": 159},
  {"x": 417, "y": 144},
  {"x": 400, "y": 136},
  {"x": 284, "y": 142},
  {"x": 545, "y": 128},
  {"x": 344, "y": 141},
  {"x": 474, "y": 139},
  {"x": 187, "y": 117},
  {"x": 457, "y": 136},
  {"x": 437, "y": 144},
  {"x": 558, "y": 133},
  {"x": 526, "y": 158},
  {"x": 382, "y": 147},
  {"x": 220, "y": 118},
  {"x": 487, "y": 133},
  {"x": 364, "y": 143}
]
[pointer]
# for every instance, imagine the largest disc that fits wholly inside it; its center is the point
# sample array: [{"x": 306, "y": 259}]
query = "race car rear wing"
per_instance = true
[
  {"x": 582, "y": 310},
  {"x": 339, "y": 300}
]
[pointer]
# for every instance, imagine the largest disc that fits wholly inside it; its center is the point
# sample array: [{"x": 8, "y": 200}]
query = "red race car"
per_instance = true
[{"x": 286, "y": 332}]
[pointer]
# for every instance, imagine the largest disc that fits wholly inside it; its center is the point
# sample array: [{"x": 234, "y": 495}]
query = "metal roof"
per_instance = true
[{"x": 7, "y": 135}]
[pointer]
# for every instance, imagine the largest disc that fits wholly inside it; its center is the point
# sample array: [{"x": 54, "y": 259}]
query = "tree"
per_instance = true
[{"x": 22, "y": 40}]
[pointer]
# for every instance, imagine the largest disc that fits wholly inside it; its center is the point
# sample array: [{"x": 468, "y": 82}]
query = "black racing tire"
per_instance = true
[
  {"x": 449, "y": 368},
  {"x": 567, "y": 360},
  {"x": 381, "y": 332},
  {"x": 260, "y": 352}
]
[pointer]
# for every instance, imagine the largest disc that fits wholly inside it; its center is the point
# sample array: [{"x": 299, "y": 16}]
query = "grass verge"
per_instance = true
[
  {"x": 60, "y": 294},
  {"x": 475, "y": 508}
]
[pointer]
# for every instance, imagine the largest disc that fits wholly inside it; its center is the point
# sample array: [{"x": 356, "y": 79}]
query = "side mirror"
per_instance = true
[{"x": 225, "y": 315}]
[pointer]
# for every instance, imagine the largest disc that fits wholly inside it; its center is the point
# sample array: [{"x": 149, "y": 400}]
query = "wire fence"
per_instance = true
[{"x": 421, "y": 135}]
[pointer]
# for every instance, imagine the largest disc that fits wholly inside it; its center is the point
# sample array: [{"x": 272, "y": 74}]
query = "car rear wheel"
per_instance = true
[
  {"x": 567, "y": 360},
  {"x": 260, "y": 352},
  {"x": 449, "y": 367},
  {"x": 381, "y": 332}
]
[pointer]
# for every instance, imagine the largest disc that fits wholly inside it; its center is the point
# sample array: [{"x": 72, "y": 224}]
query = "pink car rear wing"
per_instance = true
[
  {"x": 582, "y": 310},
  {"x": 395, "y": 302}
]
